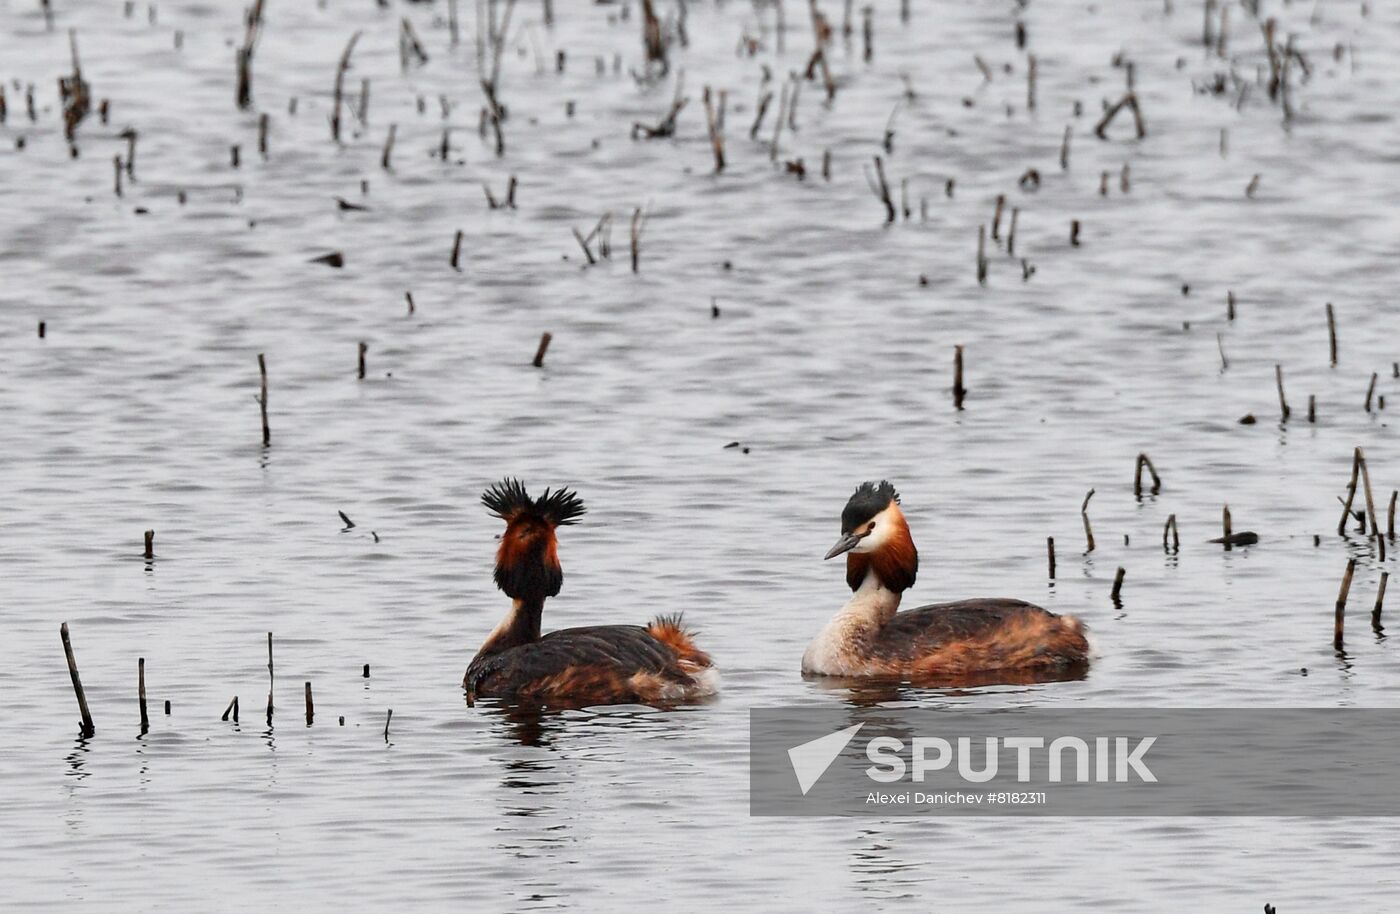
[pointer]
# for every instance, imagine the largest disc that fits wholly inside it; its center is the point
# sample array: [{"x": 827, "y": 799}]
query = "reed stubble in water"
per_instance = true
[
  {"x": 537, "y": 362},
  {"x": 1088, "y": 528},
  {"x": 262, "y": 401},
  {"x": 141, "y": 693},
  {"x": 87, "y": 729},
  {"x": 1339, "y": 618},
  {"x": 1143, "y": 461}
]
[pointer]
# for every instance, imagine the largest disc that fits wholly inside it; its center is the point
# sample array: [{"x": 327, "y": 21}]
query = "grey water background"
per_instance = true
[{"x": 829, "y": 361}]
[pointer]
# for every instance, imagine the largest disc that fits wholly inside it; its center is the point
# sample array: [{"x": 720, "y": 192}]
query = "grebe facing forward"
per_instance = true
[
  {"x": 600, "y": 664},
  {"x": 969, "y": 638}
]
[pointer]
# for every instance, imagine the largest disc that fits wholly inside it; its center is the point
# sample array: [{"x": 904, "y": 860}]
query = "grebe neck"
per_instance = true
[
  {"x": 520, "y": 626},
  {"x": 872, "y": 603}
]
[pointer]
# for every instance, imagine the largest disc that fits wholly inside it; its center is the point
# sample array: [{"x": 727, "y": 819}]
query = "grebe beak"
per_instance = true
[{"x": 844, "y": 544}]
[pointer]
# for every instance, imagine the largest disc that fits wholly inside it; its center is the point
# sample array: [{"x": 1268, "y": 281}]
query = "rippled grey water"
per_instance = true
[{"x": 830, "y": 362}]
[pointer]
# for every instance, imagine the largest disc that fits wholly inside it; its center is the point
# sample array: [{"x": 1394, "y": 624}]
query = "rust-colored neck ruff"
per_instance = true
[
  {"x": 527, "y": 561},
  {"x": 895, "y": 562}
]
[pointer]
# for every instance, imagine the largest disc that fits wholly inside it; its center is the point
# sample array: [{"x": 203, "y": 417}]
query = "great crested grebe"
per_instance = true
[
  {"x": 969, "y": 638},
  {"x": 599, "y": 664}
]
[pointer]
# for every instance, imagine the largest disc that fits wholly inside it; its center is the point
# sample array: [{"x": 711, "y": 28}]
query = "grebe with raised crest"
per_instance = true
[
  {"x": 869, "y": 638},
  {"x": 600, "y": 664}
]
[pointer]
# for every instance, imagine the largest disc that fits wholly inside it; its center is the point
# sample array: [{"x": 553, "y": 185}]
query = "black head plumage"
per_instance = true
[
  {"x": 870, "y": 499},
  {"x": 509, "y": 501}
]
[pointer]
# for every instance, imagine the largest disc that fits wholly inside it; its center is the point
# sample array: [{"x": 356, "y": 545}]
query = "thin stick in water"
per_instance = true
[
  {"x": 141, "y": 692},
  {"x": 1170, "y": 527},
  {"x": 959, "y": 391},
  {"x": 539, "y": 355},
  {"x": 87, "y": 728},
  {"x": 1050, "y": 553},
  {"x": 1088, "y": 530},
  {"x": 1284, "y": 411},
  {"x": 150, "y": 544},
  {"x": 270, "y": 679},
  {"x": 1339, "y": 620},
  {"x": 1332, "y": 332},
  {"x": 1117, "y": 585},
  {"x": 262, "y": 400},
  {"x": 310, "y": 707},
  {"x": 1144, "y": 461}
]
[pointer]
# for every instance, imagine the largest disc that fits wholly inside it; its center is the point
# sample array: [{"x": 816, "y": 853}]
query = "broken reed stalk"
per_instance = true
[
  {"x": 1130, "y": 101},
  {"x": 763, "y": 103},
  {"x": 408, "y": 296},
  {"x": 262, "y": 400},
  {"x": 1371, "y": 391},
  {"x": 231, "y": 709},
  {"x": 1332, "y": 333},
  {"x": 87, "y": 728},
  {"x": 981, "y": 255},
  {"x": 996, "y": 217},
  {"x": 264, "y": 120},
  {"x": 1371, "y": 503},
  {"x": 1050, "y": 554},
  {"x": 653, "y": 42},
  {"x": 150, "y": 544},
  {"x": 456, "y": 250},
  {"x": 1283, "y": 409},
  {"x": 881, "y": 189},
  {"x": 1225, "y": 524},
  {"x": 386, "y": 724},
  {"x": 1117, "y": 585},
  {"x": 270, "y": 679},
  {"x": 1011, "y": 232},
  {"x": 583, "y": 243},
  {"x": 1220, "y": 344},
  {"x": 959, "y": 391},
  {"x": 1030, "y": 82},
  {"x": 1390, "y": 519},
  {"x": 1312, "y": 407},
  {"x": 243, "y": 95},
  {"x": 638, "y": 223},
  {"x": 1339, "y": 620},
  {"x": 1351, "y": 492},
  {"x": 384, "y": 159},
  {"x": 310, "y": 707},
  {"x": 1380, "y": 598},
  {"x": 364, "y": 348},
  {"x": 1144, "y": 461},
  {"x": 141, "y": 692},
  {"x": 538, "y": 363},
  {"x": 1170, "y": 527},
  {"x": 716, "y": 136},
  {"x": 1064, "y": 149},
  {"x": 340, "y": 85},
  {"x": 1088, "y": 530}
]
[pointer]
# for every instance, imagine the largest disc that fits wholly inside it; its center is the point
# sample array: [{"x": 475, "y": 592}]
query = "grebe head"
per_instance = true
[
  {"x": 875, "y": 536},
  {"x": 527, "y": 561}
]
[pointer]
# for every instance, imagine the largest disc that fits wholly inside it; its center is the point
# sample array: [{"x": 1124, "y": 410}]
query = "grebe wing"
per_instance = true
[
  {"x": 982, "y": 634},
  {"x": 597, "y": 650}
]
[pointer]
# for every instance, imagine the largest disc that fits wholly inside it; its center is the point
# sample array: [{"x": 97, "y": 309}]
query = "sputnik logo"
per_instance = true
[{"x": 811, "y": 759}]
